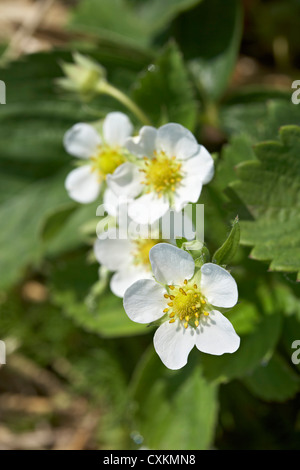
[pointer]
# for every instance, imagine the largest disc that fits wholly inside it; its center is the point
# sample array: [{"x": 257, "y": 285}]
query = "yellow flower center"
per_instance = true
[
  {"x": 163, "y": 174},
  {"x": 186, "y": 303},
  {"x": 107, "y": 160},
  {"x": 141, "y": 251}
]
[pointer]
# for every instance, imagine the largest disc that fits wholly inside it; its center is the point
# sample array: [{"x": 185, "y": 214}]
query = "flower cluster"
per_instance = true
[
  {"x": 155, "y": 172},
  {"x": 158, "y": 170}
]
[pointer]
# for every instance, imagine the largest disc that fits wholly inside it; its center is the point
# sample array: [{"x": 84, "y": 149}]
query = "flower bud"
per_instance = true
[{"x": 82, "y": 76}]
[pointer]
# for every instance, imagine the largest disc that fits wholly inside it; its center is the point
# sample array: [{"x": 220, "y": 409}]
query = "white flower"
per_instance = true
[
  {"x": 101, "y": 154},
  {"x": 128, "y": 257},
  {"x": 170, "y": 172},
  {"x": 185, "y": 300}
]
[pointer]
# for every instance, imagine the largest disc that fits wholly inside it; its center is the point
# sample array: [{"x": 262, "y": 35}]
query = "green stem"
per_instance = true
[
  {"x": 110, "y": 90},
  {"x": 211, "y": 114}
]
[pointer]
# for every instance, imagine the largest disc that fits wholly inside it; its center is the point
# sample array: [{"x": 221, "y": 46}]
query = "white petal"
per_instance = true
[
  {"x": 176, "y": 140},
  {"x": 124, "y": 278},
  {"x": 144, "y": 301},
  {"x": 144, "y": 143},
  {"x": 117, "y": 127},
  {"x": 110, "y": 202},
  {"x": 218, "y": 286},
  {"x": 83, "y": 184},
  {"x": 81, "y": 140},
  {"x": 188, "y": 192},
  {"x": 171, "y": 265},
  {"x": 126, "y": 181},
  {"x": 201, "y": 164},
  {"x": 173, "y": 344},
  {"x": 216, "y": 335},
  {"x": 113, "y": 204},
  {"x": 147, "y": 209},
  {"x": 113, "y": 253}
]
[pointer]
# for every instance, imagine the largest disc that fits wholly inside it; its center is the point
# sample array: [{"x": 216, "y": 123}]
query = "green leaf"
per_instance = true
[
  {"x": 258, "y": 115},
  {"x": 122, "y": 21},
  {"x": 23, "y": 215},
  {"x": 269, "y": 188},
  {"x": 288, "y": 297},
  {"x": 164, "y": 91},
  {"x": 172, "y": 406},
  {"x": 290, "y": 333},
  {"x": 71, "y": 234},
  {"x": 255, "y": 347},
  {"x": 106, "y": 317},
  {"x": 245, "y": 317},
  {"x": 56, "y": 220},
  {"x": 210, "y": 43},
  {"x": 226, "y": 252},
  {"x": 239, "y": 149},
  {"x": 273, "y": 381}
]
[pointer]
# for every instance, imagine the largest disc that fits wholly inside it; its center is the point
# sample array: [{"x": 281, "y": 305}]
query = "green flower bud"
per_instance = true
[{"x": 83, "y": 76}]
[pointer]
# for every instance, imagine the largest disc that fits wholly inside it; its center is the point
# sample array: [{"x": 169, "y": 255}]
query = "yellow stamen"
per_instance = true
[
  {"x": 188, "y": 304},
  {"x": 163, "y": 173},
  {"x": 107, "y": 159},
  {"x": 141, "y": 251}
]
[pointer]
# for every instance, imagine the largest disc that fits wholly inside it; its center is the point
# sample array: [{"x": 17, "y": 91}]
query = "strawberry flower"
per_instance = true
[
  {"x": 128, "y": 257},
  {"x": 170, "y": 171},
  {"x": 100, "y": 155},
  {"x": 185, "y": 300}
]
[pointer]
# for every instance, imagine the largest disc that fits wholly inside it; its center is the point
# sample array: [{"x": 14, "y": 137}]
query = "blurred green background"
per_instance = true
[{"x": 79, "y": 374}]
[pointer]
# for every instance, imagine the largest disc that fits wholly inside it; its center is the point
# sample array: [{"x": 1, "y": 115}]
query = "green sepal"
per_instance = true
[
  {"x": 196, "y": 249},
  {"x": 224, "y": 255}
]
